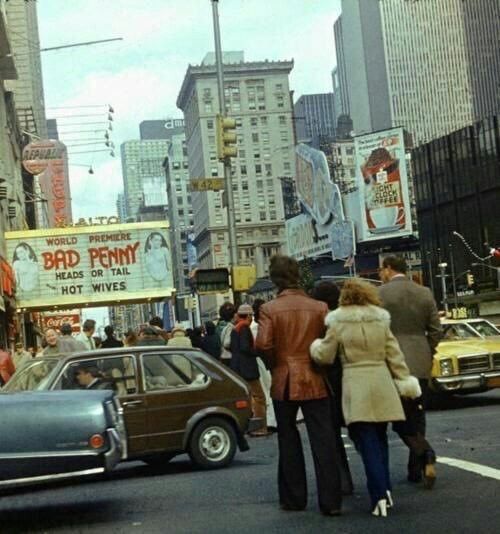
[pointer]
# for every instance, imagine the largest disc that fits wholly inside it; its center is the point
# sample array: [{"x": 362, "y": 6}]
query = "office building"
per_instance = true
[
  {"x": 339, "y": 74},
  {"x": 180, "y": 212},
  {"x": 258, "y": 97},
  {"x": 121, "y": 207},
  {"x": 143, "y": 175},
  {"x": 28, "y": 87},
  {"x": 314, "y": 117},
  {"x": 161, "y": 129},
  {"x": 430, "y": 67}
]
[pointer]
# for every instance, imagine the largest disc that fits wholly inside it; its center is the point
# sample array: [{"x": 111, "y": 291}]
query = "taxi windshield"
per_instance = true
[
  {"x": 34, "y": 376},
  {"x": 485, "y": 329},
  {"x": 457, "y": 331}
]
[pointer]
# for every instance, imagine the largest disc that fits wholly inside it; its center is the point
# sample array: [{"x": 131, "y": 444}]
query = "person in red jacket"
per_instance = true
[{"x": 7, "y": 368}]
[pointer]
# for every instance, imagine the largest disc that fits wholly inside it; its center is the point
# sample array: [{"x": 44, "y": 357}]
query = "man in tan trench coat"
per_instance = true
[{"x": 415, "y": 323}]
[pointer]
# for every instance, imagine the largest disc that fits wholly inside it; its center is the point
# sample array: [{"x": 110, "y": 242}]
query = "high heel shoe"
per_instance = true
[
  {"x": 380, "y": 509},
  {"x": 390, "y": 501}
]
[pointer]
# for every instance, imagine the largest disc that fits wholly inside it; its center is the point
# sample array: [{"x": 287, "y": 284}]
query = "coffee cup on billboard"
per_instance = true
[{"x": 386, "y": 217}]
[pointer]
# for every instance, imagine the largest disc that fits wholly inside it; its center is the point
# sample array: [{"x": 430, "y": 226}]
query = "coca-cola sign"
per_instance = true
[{"x": 55, "y": 321}]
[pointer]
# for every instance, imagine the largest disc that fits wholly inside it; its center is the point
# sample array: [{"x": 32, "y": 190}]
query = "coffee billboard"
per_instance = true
[
  {"x": 91, "y": 265},
  {"x": 383, "y": 185}
]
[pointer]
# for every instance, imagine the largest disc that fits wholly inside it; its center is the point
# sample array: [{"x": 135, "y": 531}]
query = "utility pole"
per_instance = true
[{"x": 231, "y": 222}]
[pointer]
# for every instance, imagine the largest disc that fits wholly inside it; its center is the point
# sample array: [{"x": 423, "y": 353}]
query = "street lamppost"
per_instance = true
[{"x": 442, "y": 268}]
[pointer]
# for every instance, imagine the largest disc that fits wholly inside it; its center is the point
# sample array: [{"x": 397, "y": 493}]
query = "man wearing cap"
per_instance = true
[
  {"x": 67, "y": 343},
  {"x": 287, "y": 327},
  {"x": 179, "y": 339},
  {"x": 244, "y": 362}
]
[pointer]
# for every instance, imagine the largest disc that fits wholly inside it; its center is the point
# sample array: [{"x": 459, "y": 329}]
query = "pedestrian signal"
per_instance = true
[
  {"x": 226, "y": 138},
  {"x": 211, "y": 280},
  {"x": 470, "y": 279}
]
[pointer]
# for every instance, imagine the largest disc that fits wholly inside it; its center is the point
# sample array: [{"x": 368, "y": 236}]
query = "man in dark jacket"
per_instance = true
[
  {"x": 110, "y": 341},
  {"x": 244, "y": 362},
  {"x": 210, "y": 343},
  {"x": 415, "y": 323},
  {"x": 287, "y": 327}
]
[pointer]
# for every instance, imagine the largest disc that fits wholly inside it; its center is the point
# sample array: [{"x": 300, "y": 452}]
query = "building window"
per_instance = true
[
  {"x": 282, "y": 120},
  {"x": 243, "y": 170},
  {"x": 255, "y": 138},
  {"x": 263, "y": 121},
  {"x": 253, "y": 121},
  {"x": 258, "y": 168},
  {"x": 210, "y": 124},
  {"x": 268, "y": 168}
]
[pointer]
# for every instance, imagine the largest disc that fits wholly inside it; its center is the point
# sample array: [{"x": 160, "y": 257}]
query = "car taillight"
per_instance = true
[
  {"x": 241, "y": 404},
  {"x": 96, "y": 441}
]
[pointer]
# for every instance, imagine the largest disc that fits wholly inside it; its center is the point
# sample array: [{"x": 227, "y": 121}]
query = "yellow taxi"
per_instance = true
[{"x": 468, "y": 357}]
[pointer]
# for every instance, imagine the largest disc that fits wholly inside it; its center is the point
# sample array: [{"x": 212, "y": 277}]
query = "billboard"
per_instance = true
[
  {"x": 91, "y": 265},
  {"x": 323, "y": 227},
  {"x": 383, "y": 183},
  {"x": 49, "y": 161},
  {"x": 57, "y": 319}
]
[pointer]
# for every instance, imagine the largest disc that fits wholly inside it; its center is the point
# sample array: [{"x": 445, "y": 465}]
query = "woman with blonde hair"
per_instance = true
[{"x": 374, "y": 377}]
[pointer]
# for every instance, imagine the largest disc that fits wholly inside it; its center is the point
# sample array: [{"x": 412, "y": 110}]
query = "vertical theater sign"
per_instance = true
[
  {"x": 48, "y": 160},
  {"x": 91, "y": 265}
]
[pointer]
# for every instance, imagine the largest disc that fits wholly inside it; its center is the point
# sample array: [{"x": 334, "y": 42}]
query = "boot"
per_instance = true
[{"x": 380, "y": 509}]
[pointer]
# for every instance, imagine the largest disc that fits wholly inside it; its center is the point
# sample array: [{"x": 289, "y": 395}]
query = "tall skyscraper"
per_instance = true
[
  {"x": 180, "y": 211},
  {"x": 340, "y": 88},
  {"x": 28, "y": 88},
  {"x": 431, "y": 67},
  {"x": 314, "y": 117},
  {"x": 143, "y": 175},
  {"x": 121, "y": 207},
  {"x": 161, "y": 129},
  {"x": 258, "y": 97}
]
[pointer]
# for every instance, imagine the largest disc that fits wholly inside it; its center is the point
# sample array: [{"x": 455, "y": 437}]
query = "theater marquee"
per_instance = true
[{"x": 91, "y": 265}]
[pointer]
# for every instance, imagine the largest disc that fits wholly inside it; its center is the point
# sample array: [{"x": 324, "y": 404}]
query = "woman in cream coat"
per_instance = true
[{"x": 359, "y": 334}]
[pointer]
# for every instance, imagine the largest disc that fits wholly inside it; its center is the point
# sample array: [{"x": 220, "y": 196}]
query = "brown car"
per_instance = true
[{"x": 173, "y": 400}]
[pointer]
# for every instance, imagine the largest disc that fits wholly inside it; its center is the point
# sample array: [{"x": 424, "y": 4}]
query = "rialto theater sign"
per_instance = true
[{"x": 91, "y": 265}]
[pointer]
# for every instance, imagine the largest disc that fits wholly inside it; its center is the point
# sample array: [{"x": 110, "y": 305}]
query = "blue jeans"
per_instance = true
[{"x": 370, "y": 440}]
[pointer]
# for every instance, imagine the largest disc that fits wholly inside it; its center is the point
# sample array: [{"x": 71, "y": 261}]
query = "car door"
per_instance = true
[
  {"x": 121, "y": 374},
  {"x": 175, "y": 389}
]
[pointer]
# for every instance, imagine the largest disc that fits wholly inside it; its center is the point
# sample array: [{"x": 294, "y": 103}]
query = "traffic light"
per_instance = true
[
  {"x": 470, "y": 279},
  {"x": 226, "y": 138}
]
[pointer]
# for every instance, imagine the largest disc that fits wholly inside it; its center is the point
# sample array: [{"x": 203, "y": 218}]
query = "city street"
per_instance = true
[{"x": 243, "y": 498}]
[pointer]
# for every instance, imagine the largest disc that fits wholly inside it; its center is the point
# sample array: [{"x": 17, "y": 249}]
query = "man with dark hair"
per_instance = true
[
  {"x": 110, "y": 342},
  {"x": 85, "y": 336},
  {"x": 287, "y": 327},
  {"x": 415, "y": 323},
  {"x": 156, "y": 321},
  {"x": 89, "y": 377},
  {"x": 67, "y": 343}
]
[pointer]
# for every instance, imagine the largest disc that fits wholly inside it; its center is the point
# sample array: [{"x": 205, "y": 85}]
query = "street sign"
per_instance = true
[
  {"x": 206, "y": 184},
  {"x": 211, "y": 280}
]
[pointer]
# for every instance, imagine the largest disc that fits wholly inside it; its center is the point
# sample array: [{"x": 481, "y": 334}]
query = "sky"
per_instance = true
[{"x": 140, "y": 77}]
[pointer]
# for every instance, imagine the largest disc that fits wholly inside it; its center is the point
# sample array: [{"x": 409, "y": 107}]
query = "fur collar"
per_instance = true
[{"x": 357, "y": 314}]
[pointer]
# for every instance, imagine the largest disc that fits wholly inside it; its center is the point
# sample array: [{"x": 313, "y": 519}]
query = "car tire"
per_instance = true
[
  {"x": 212, "y": 444},
  {"x": 159, "y": 460}
]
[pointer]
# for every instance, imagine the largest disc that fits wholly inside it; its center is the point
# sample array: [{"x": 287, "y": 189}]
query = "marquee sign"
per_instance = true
[{"x": 96, "y": 265}]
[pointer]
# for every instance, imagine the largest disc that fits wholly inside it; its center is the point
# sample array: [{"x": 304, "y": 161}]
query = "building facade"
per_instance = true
[
  {"x": 143, "y": 175},
  {"x": 339, "y": 74},
  {"x": 457, "y": 191},
  {"x": 180, "y": 211},
  {"x": 258, "y": 97},
  {"x": 431, "y": 67},
  {"x": 314, "y": 117}
]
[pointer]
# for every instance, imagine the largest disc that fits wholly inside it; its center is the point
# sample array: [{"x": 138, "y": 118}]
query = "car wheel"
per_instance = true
[
  {"x": 159, "y": 460},
  {"x": 213, "y": 443}
]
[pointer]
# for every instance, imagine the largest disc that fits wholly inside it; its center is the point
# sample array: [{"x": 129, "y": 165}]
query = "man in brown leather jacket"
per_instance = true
[{"x": 287, "y": 327}]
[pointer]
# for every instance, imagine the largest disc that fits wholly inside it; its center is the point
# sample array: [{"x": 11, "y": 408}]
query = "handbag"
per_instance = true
[{"x": 408, "y": 387}]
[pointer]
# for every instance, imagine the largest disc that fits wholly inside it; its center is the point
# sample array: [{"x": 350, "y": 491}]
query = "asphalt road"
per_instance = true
[{"x": 243, "y": 498}]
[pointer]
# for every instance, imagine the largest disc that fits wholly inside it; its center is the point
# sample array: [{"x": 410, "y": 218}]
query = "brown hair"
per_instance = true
[
  {"x": 356, "y": 292},
  {"x": 284, "y": 272},
  {"x": 396, "y": 263}
]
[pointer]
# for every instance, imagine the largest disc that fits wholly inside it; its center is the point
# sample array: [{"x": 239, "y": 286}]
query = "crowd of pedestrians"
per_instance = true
[{"x": 358, "y": 357}]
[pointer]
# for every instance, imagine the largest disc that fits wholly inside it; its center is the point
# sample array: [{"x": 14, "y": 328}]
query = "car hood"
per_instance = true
[{"x": 472, "y": 346}]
